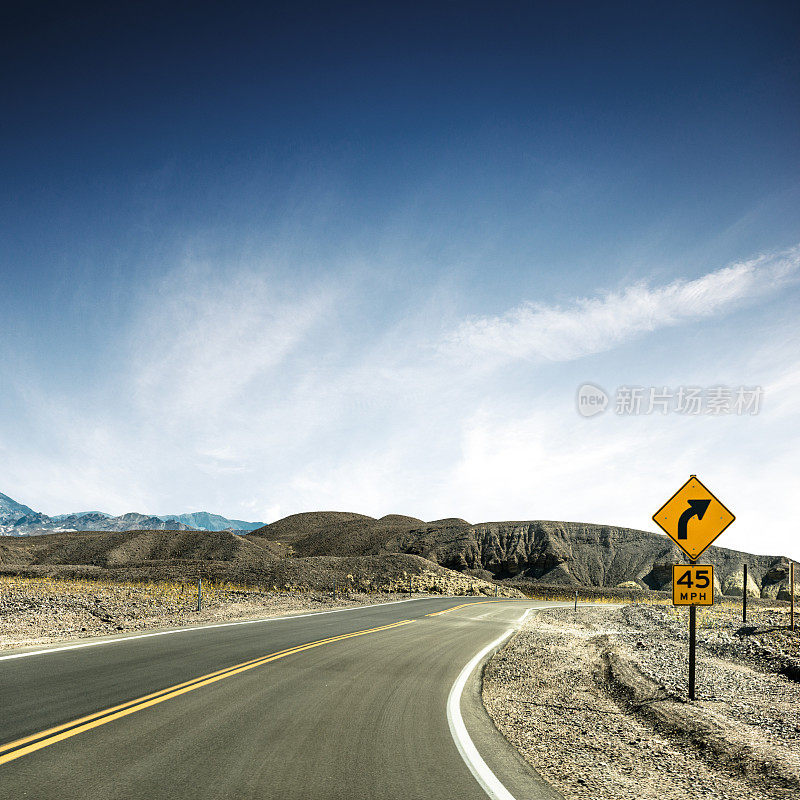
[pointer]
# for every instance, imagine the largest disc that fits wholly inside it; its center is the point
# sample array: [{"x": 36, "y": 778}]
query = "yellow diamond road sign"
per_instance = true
[{"x": 693, "y": 518}]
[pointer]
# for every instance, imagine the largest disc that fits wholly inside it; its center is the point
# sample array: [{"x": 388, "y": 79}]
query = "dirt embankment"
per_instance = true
[
  {"x": 42, "y": 607},
  {"x": 40, "y": 611},
  {"x": 597, "y": 702}
]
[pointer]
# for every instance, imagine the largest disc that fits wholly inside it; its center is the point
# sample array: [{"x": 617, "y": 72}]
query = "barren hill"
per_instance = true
[
  {"x": 223, "y": 556},
  {"x": 338, "y": 533},
  {"x": 566, "y": 553},
  {"x": 317, "y": 548},
  {"x": 123, "y": 548}
]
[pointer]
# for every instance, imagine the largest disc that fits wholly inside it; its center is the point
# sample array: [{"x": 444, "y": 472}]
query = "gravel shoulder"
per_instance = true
[
  {"x": 597, "y": 702},
  {"x": 42, "y": 611}
]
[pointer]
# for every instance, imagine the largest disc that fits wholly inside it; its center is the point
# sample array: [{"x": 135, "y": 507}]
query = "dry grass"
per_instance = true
[{"x": 176, "y": 594}]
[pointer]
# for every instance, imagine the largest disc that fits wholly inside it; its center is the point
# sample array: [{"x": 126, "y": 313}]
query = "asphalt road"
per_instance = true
[{"x": 352, "y": 704}]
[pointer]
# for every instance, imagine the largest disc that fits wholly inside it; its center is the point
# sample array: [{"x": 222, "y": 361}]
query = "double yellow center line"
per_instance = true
[
  {"x": 29, "y": 744},
  {"x": 464, "y": 605}
]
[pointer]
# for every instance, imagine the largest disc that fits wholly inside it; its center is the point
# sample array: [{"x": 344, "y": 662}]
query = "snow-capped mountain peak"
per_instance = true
[{"x": 17, "y": 519}]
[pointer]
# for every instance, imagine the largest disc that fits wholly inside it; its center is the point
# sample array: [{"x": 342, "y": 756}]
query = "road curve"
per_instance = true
[{"x": 352, "y": 704}]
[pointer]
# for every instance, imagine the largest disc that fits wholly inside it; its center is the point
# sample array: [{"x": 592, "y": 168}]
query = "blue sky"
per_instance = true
[{"x": 259, "y": 261}]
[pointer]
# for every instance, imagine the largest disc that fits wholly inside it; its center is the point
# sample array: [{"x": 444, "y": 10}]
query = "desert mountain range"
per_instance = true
[
  {"x": 17, "y": 519},
  {"x": 540, "y": 551},
  {"x": 315, "y": 548}
]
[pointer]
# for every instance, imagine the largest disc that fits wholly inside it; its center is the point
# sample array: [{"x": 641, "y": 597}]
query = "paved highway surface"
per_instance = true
[{"x": 353, "y": 704}]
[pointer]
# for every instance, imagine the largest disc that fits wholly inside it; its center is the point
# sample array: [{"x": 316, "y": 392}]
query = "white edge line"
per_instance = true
[
  {"x": 81, "y": 645},
  {"x": 489, "y": 782}
]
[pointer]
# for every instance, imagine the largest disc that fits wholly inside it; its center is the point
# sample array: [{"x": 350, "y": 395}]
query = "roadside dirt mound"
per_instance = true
[
  {"x": 596, "y": 701},
  {"x": 34, "y": 612},
  {"x": 710, "y": 730}
]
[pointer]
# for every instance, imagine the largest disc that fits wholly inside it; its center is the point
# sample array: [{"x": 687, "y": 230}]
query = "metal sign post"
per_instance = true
[
  {"x": 693, "y": 518},
  {"x": 692, "y": 585},
  {"x": 692, "y": 647},
  {"x": 744, "y": 596}
]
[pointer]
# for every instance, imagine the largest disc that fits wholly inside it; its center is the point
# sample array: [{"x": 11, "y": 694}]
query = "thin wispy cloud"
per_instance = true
[
  {"x": 540, "y": 332},
  {"x": 281, "y": 305},
  {"x": 248, "y": 401},
  {"x": 204, "y": 337}
]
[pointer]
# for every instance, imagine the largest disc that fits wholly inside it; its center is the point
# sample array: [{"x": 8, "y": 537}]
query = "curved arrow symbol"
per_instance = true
[{"x": 697, "y": 508}]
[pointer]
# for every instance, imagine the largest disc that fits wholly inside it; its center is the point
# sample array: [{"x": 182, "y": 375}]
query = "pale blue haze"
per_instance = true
[{"x": 258, "y": 261}]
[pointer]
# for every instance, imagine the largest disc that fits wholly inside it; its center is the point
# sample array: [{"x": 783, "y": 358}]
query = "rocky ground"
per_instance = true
[
  {"x": 597, "y": 702},
  {"x": 38, "y": 611}
]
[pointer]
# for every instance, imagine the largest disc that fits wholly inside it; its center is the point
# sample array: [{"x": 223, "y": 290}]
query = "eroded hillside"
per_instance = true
[{"x": 565, "y": 553}]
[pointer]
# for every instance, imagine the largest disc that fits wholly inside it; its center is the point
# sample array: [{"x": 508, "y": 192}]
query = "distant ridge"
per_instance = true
[
  {"x": 202, "y": 520},
  {"x": 11, "y": 510},
  {"x": 547, "y": 552},
  {"x": 17, "y": 519}
]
